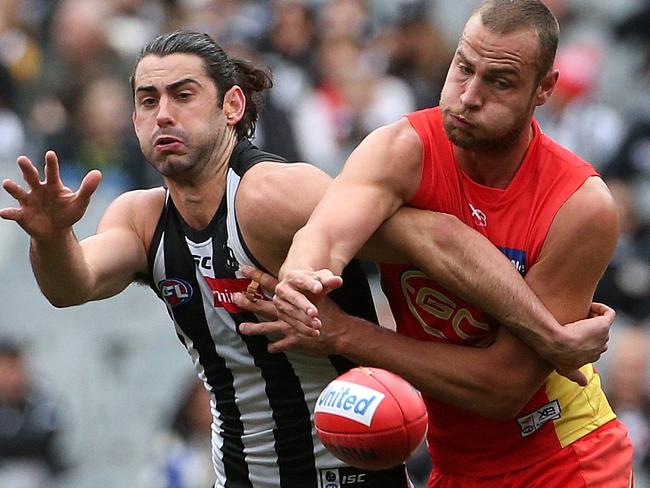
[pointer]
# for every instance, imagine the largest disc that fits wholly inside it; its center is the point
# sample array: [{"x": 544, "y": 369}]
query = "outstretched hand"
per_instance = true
[
  {"x": 48, "y": 206},
  {"x": 583, "y": 342},
  {"x": 295, "y": 296}
]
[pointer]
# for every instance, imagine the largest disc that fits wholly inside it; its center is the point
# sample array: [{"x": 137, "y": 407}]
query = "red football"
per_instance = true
[{"x": 370, "y": 418}]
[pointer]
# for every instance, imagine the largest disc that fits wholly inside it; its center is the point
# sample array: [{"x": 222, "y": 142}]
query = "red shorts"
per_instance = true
[{"x": 601, "y": 459}]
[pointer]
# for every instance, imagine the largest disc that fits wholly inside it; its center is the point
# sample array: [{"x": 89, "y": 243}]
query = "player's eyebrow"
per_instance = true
[
  {"x": 172, "y": 86},
  {"x": 505, "y": 69},
  {"x": 463, "y": 58}
]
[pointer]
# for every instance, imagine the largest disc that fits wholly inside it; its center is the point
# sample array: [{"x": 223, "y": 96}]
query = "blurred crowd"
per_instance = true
[{"x": 342, "y": 68}]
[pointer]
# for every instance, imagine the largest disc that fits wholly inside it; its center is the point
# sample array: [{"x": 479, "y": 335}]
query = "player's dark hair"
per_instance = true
[
  {"x": 224, "y": 70},
  {"x": 506, "y": 16}
]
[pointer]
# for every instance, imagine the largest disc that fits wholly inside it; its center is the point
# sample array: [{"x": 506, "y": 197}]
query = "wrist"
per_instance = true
[
  {"x": 553, "y": 340},
  {"x": 339, "y": 328},
  {"x": 52, "y": 236}
]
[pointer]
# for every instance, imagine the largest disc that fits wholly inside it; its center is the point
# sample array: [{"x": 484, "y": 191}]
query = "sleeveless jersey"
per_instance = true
[
  {"x": 262, "y": 403},
  {"x": 516, "y": 220}
]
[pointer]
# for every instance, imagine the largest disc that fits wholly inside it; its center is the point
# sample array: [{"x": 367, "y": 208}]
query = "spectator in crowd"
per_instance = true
[
  {"x": 78, "y": 53},
  {"x": 351, "y": 98},
  {"x": 182, "y": 452},
  {"x": 573, "y": 116},
  {"x": 626, "y": 282},
  {"x": 30, "y": 425},
  {"x": 419, "y": 54},
  {"x": 20, "y": 52},
  {"x": 627, "y": 382},
  {"x": 106, "y": 140},
  {"x": 12, "y": 141},
  {"x": 289, "y": 50},
  {"x": 632, "y": 161}
]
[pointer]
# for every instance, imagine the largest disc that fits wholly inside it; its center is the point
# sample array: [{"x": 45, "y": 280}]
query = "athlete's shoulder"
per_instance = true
[
  {"x": 270, "y": 183},
  {"x": 136, "y": 210},
  {"x": 400, "y": 134},
  {"x": 594, "y": 203},
  {"x": 138, "y": 204},
  {"x": 587, "y": 223},
  {"x": 396, "y": 144}
]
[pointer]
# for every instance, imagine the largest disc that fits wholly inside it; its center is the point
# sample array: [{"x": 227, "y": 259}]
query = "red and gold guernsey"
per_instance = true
[{"x": 516, "y": 219}]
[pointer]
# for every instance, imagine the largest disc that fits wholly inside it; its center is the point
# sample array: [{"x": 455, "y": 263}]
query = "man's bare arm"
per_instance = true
[
  {"x": 466, "y": 263},
  {"x": 359, "y": 200},
  {"x": 483, "y": 380},
  {"x": 380, "y": 176},
  {"x": 71, "y": 272},
  {"x": 579, "y": 245}
]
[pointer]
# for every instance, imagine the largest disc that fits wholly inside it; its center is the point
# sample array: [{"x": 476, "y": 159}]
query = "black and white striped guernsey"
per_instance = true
[{"x": 262, "y": 403}]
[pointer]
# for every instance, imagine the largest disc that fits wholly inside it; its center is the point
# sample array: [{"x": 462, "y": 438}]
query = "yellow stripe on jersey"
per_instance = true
[{"x": 583, "y": 409}]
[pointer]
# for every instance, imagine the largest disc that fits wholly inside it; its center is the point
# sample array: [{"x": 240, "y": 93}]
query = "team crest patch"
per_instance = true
[{"x": 175, "y": 291}]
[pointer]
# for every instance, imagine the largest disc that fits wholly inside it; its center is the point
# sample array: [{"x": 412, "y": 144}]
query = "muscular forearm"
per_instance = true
[
  {"x": 60, "y": 269},
  {"x": 340, "y": 225},
  {"x": 468, "y": 265},
  {"x": 311, "y": 249},
  {"x": 475, "y": 379}
]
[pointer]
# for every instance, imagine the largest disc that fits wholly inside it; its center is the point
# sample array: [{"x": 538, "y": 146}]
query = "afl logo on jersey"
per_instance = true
[{"x": 175, "y": 291}]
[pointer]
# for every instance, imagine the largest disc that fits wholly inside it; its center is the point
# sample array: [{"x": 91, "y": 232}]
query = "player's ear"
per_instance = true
[
  {"x": 135, "y": 127},
  {"x": 234, "y": 105},
  {"x": 546, "y": 86}
]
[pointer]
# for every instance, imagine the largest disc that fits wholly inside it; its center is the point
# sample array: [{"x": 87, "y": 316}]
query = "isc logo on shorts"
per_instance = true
[
  {"x": 342, "y": 478},
  {"x": 349, "y": 400}
]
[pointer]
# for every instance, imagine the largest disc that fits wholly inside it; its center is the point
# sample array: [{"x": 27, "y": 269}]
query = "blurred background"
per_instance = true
[{"x": 103, "y": 395}]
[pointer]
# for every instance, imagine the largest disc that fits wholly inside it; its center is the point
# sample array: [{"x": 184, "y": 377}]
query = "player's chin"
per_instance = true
[
  {"x": 172, "y": 165},
  {"x": 460, "y": 138}
]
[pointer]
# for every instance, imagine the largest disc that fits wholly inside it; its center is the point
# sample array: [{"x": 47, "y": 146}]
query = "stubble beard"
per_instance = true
[
  {"x": 486, "y": 143},
  {"x": 191, "y": 162}
]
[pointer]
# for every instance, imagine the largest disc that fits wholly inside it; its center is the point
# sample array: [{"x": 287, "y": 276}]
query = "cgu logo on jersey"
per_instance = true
[
  {"x": 349, "y": 400},
  {"x": 224, "y": 289},
  {"x": 175, "y": 291},
  {"x": 441, "y": 314},
  {"x": 517, "y": 257}
]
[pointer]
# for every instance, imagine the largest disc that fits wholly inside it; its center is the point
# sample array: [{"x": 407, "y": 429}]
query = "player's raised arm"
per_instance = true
[
  {"x": 381, "y": 174},
  {"x": 67, "y": 271}
]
